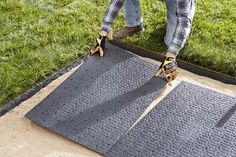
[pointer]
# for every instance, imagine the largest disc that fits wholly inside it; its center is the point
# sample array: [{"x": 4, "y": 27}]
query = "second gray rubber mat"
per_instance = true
[
  {"x": 191, "y": 121},
  {"x": 98, "y": 103}
]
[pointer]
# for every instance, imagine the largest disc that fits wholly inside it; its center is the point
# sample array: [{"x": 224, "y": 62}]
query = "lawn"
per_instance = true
[{"x": 37, "y": 37}]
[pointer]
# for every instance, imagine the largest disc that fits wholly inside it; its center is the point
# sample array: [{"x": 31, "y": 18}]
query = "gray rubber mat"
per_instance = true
[
  {"x": 190, "y": 122},
  {"x": 98, "y": 103}
]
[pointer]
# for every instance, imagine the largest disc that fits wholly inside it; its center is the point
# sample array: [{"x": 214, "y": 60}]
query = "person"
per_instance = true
[{"x": 180, "y": 15}]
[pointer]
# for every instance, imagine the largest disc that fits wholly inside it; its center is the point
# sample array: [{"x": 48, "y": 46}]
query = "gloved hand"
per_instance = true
[
  {"x": 168, "y": 68},
  {"x": 99, "y": 46}
]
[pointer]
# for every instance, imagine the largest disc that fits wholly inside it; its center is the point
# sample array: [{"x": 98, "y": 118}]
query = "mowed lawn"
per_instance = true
[{"x": 37, "y": 37}]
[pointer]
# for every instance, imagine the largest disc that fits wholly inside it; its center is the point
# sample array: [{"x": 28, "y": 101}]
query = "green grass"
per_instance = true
[{"x": 37, "y": 37}]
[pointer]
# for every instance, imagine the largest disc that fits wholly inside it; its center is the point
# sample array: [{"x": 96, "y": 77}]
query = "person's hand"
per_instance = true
[
  {"x": 99, "y": 46},
  {"x": 168, "y": 69}
]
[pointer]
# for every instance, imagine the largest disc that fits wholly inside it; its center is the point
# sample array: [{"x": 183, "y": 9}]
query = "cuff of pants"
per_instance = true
[
  {"x": 174, "y": 49},
  {"x": 133, "y": 24},
  {"x": 106, "y": 27}
]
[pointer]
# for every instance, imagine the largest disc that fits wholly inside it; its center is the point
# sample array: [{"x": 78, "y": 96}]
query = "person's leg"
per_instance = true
[
  {"x": 133, "y": 15},
  {"x": 171, "y": 7},
  {"x": 169, "y": 65},
  {"x": 133, "y": 20},
  {"x": 192, "y": 12}
]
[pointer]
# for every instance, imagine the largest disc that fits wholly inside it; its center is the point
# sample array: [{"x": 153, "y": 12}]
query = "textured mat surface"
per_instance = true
[
  {"x": 191, "y": 122},
  {"x": 101, "y": 100}
]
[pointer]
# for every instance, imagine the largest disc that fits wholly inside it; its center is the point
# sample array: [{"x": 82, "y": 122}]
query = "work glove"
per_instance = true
[
  {"x": 169, "y": 69},
  {"x": 99, "y": 45}
]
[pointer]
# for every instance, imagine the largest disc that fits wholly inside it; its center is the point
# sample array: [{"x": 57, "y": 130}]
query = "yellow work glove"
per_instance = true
[
  {"x": 99, "y": 45},
  {"x": 169, "y": 69}
]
